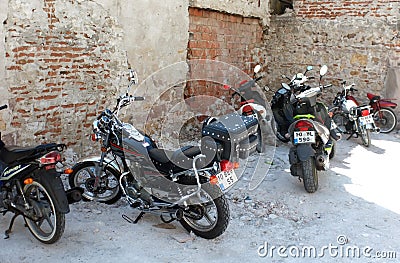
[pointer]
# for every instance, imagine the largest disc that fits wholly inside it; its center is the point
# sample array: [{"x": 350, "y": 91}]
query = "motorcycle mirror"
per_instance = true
[
  {"x": 257, "y": 69},
  {"x": 309, "y": 68},
  {"x": 323, "y": 70},
  {"x": 286, "y": 86},
  {"x": 133, "y": 76}
]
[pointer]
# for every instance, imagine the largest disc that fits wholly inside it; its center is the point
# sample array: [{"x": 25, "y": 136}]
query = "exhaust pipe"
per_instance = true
[
  {"x": 74, "y": 195},
  {"x": 322, "y": 162}
]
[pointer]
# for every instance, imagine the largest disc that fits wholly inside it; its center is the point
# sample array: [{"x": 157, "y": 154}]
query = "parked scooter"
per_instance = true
[
  {"x": 185, "y": 185},
  {"x": 31, "y": 187},
  {"x": 351, "y": 118},
  {"x": 310, "y": 134},
  {"x": 281, "y": 105}
]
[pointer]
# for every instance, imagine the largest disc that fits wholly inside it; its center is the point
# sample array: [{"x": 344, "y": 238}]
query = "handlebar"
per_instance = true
[
  {"x": 137, "y": 98},
  {"x": 327, "y": 86},
  {"x": 3, "y": 107}
]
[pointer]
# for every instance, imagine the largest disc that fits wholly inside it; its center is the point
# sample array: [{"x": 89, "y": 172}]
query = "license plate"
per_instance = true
[
  {"x": 304, "y": 137},
  {"x": 366, "y": 120},
  {"x": 226, "y": 179}
]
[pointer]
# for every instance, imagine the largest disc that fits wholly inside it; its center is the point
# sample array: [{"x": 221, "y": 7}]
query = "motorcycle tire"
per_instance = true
[
  {"x": 197, "y": 218},
  {"x": 385, "y": 119},
  {"x": 45, "y": 222},
  {"x": 310, "y": 176},
  {"x": 341, "y": 120},
  {"x": 365, "y": 135},
  {"x": 107, "y": 194}
]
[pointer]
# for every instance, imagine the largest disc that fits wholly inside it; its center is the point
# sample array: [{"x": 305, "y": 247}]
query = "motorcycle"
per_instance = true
[
  {"x": 351, "y": 118},
  {"x": 310, "y": 132},
  {"x": 280, "y": 104},
  {"x": 384, "y": 117},
  {"x": 186, "y": 185},
  {"x": 253, "y": 105},
  {"x": 31, "y": 187}
]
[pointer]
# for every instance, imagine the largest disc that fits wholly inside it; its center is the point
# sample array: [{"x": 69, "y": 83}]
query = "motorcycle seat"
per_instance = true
[
  {"x": 173, "y": 161},
  {"x": 9, "y": 154}
]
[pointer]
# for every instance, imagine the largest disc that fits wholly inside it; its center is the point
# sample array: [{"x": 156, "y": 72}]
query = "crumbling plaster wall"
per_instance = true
[{"x": 64, "y": 61}]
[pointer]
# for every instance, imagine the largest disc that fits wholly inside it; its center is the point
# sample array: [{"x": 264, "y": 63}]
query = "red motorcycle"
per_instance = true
[{"x": 384, "y": 117}]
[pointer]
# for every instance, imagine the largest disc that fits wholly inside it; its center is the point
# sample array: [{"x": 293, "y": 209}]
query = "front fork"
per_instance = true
[{"x": 98, "y": 169}]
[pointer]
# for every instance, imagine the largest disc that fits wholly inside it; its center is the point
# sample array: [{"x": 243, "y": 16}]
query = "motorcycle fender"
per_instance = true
[
  {"x": 53, "y": 183},
  {"x": 96, "y": 159},
  {"x": 304, "y": 151}
]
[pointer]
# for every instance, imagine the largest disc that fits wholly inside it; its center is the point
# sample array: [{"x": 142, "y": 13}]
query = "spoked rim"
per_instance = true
[
  {"x": 385, "y": 120},
  {"x": 205, "y": 214},
  {"x": 108, "y": 187},
  {"x": 44, "y": 222}
]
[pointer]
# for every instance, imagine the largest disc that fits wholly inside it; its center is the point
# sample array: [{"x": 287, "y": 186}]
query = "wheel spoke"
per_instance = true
[{"x": 208, "y": 218}]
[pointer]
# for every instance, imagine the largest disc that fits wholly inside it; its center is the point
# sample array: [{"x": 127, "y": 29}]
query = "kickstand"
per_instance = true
[
  {"x": 8, "y": 231},
  {"x": 129, "y": 220},
  {"x": 167, "y": 221},
  {"x": 351, "y": 135}
]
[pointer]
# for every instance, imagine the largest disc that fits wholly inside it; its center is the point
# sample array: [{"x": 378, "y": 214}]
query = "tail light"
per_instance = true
[
  {"x": 227, "y": 165},
  {"x": 364, "y": 113},
  {"x": 51, "y": 158},
  {"x": 303, "y": 125},
  {"x": 247, "y": 110}
]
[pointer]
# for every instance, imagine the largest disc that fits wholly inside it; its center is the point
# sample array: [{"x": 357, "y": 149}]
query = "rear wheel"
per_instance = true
[
  {"x": 45, "y": 222},
  {"x": 310, "y": 176},
  {"x": 365, "y": 135},
  {"x": 208, "y": 215},
  {"x": 108, "y": 190},
  {"x": 385, "y": 119}
]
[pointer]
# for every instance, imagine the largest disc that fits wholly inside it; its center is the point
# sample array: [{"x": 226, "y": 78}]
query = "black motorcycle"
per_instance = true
[
  {"x": 309, "y": 127},
  {"x": 185, "y": 185},
  {"x": 31, "y": 187}
]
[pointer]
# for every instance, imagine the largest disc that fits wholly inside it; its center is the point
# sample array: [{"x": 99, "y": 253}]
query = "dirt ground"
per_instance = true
[{"x": 353, "y": 217}]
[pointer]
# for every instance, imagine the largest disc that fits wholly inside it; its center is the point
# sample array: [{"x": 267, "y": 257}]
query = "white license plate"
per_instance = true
[
  {"x": 304, "y": 137},
  {"x": 226, "y": 179},
  {"x": 366, "y": 120}
]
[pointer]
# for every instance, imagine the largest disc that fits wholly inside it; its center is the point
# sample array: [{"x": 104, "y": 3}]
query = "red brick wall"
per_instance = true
[
  {"x": 224, "y": 37},
  {"x": 228, "y": 38},
  {"x": 354, "y": 8},
  {"x": 60, "y": 73}
]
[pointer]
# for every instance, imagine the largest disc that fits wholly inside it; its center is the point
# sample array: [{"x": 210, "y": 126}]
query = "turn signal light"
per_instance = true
[
  {"x": 28, "y": 181},
  {"x": 213, "y": 179},
  {"x": 68, "y": 171}
]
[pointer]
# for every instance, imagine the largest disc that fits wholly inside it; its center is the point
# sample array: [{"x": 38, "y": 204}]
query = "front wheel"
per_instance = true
[
  {"x": 44, "y": 220},
  {"x": 385, "y": 119},
  {"x": 310, "y": 176},
  {"x": 342, "y": 122},
  {"x": 207, "y": 217},
  {"x": 108, "y": 190},
  {"x": 365, "y": 135}
]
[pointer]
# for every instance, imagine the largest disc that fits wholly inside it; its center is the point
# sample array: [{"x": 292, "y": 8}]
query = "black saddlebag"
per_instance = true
[{"x": 235, "y": 135}]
